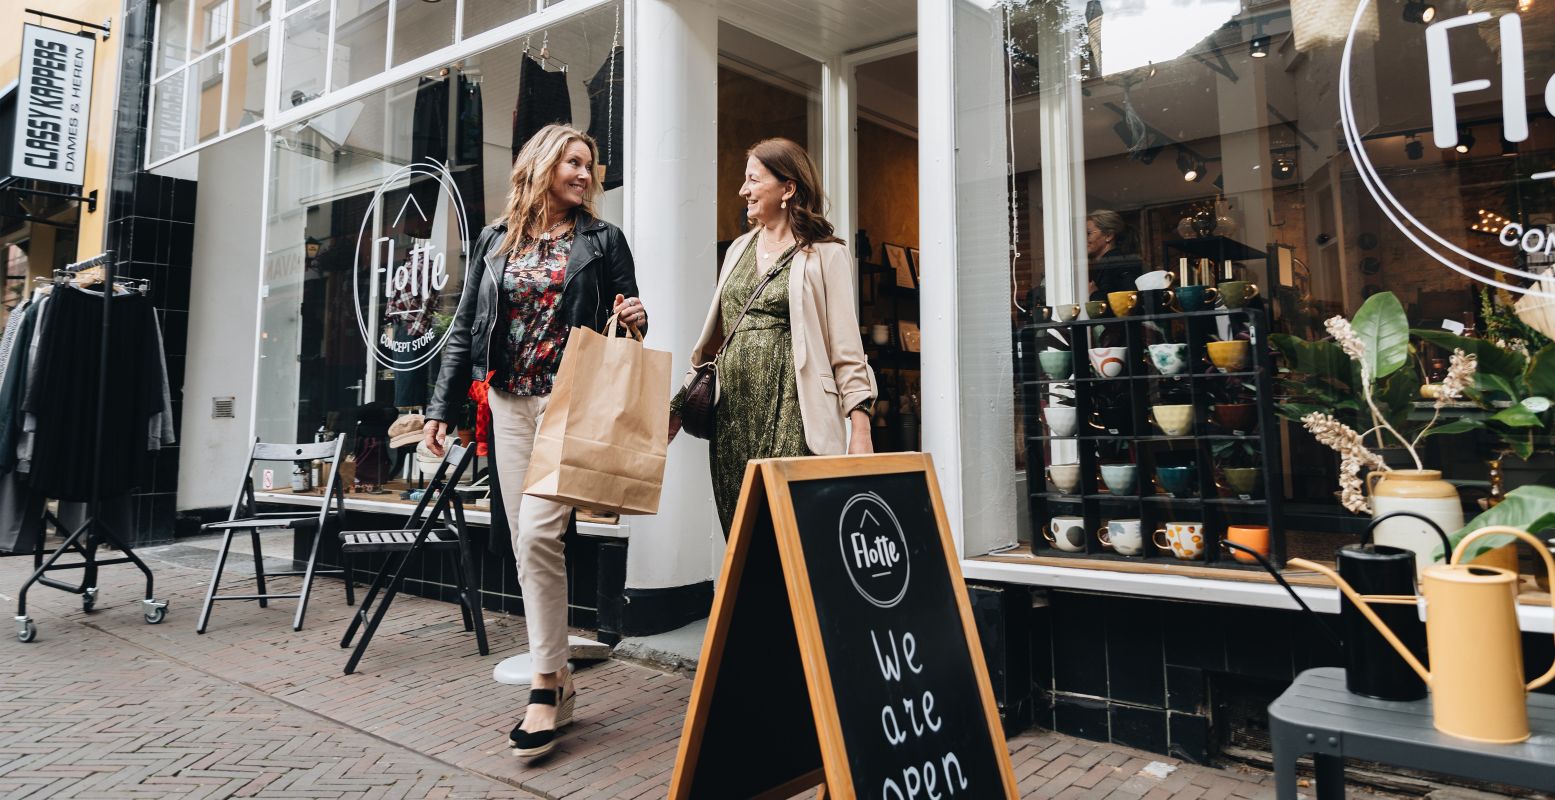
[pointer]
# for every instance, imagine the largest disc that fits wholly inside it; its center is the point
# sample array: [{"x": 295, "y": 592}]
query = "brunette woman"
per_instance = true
[
  {"x": 793, "y": 377},
  {"x": 549, "y": 264}
]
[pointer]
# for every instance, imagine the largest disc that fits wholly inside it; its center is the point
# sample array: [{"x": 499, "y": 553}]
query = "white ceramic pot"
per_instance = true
[{"x": 1423, "y": 492}]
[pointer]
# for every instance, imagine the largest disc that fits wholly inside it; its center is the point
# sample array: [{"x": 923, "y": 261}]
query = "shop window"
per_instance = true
[
  {"x": 483, "y": 15},
  {"x": 405, "y": 178},
  {"x": 361, "y": 34},
  {"x": 421, "y": 27},
  {"x": 304, "y": 51},
  {"x": 172, "y": 43},
  {"x": 167, "y": 117},
  {"x": 215, "y": 24},
  {"x": 1099, "y": 141},
  {"x": 246, "y": 82},
  {"x": 250, "y": 14},
  {"x": 202, "y": 117}
]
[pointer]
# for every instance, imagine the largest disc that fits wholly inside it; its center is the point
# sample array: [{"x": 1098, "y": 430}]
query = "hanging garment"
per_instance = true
[
  {"x": 607, "y": 106},
  {"x": 63, "y": 397},
  {"x": 543, "y": 99},
  {"x": 428, "y": 143},
  {"x": 14, "y": 387}
]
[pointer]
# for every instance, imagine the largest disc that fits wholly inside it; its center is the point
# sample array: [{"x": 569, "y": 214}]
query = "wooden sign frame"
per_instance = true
[{"x": 765, "y": 491}]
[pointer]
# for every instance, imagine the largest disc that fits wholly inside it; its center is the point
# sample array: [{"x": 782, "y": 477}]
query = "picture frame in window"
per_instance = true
[
  {"x": 900, "y": 261},
  {"x": 917, "y": 269},
  {"x": 909, "y": 336}
]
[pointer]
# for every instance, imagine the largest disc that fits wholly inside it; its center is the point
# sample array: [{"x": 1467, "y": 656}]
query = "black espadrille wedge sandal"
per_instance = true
[{"x": 531, "y": 744}]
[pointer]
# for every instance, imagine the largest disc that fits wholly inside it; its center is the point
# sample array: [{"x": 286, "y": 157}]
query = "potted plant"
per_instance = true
[
  {"x": 1529, "y": 508},
  {"x": 1356, "y": 399}
]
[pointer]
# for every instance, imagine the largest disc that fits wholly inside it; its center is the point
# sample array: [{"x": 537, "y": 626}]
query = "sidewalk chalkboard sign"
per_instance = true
[{"x": 841, "y": 649}]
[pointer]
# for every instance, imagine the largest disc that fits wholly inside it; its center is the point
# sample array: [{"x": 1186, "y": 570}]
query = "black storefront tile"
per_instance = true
[
  {"x": 1193, "y": 636},
  {"x": 1087, "y": 719},
  {"x": 1144, "y": 728},
  {"x": 183, "y": 194},
  {"x": 1135, "y": 657},
  {"x": 1185, "y": 689},
  {"x": 1258, "y": 642},
  {"x": 1079, "y": 644},
  {"x": 180, "y": 251},
  {"x": 1042, "y": 649},
  {"x": 1189, "y": 737}
]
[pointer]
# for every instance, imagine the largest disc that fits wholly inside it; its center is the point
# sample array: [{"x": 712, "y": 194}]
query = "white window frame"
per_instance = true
[{"x": 223, "y": 52}]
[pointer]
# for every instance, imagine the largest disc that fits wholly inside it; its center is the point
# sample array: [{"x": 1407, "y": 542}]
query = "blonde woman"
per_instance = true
[
  {"x": 548, "y": 265},
  {"x": 793, "y": 380}
]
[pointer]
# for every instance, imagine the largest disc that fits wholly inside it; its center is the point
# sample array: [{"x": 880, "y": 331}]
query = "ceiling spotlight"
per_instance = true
[
  {"x": 1465, "y": 140},
  {"x": 1192, "y": 168},
  {"x": 1419, "y": 12},
  {"x": 1508, "y": 149},
  {"x": 1413, "y": 148},
  {"x": 1284, "y": 168},
  {"x": 1259, "y": 46}
]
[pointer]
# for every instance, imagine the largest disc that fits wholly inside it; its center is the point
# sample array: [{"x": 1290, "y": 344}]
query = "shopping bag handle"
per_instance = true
[{"x": 613, "y": 324}]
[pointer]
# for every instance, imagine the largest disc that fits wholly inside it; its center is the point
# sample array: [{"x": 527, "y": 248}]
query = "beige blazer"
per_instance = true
[{"x": 832, "y": 373}]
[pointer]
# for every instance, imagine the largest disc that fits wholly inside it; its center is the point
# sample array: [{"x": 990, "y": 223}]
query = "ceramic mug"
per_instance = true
[
  {"x": 1158, "y": 279},
  {"x": 1233, "y": 356},
  {"x": 1124, "y": 536},
  {"x": 1173, "y": 420},
  {"x": 1184, "y": 539},
  {"x": 1096, "y": 309},
  {"x": 1239, "y": 418},
  {"x": 1177, "y": 481},
  {"x": 1056, "y": 364},
  {"x": 1252, "y": 537},
  {"x": 1066, "y": 533},
  {"x": 1236, "y": 294},
  {"x": 1243, "y": 482},
  {"x": 1120, "y": 478},
  {"x": 1197, "y": 298},
  {"x": 1066, "y": 313},
  {"x": 1061, "y": 420},
  {"x": 1122, "y": 303},
  {"x": 1066, "y": 477},
  {"x": 1158, "y": 301},
  {"x": 1169, "y": 358},
  {"x": 1108, "y": 362}
]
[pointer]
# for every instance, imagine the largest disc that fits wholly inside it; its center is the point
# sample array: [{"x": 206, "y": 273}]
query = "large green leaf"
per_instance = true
[
  {"x": 1541, "y": 373},
  {"x": 1495, "y": 383},
  {"x": 1492, "y": 360},
  {"x": 1517, "y": 417},
  {"x": 1324, "y": 360},
  {"x": 1529, "y": 508},
  {"x": 1456, "y": 426},
  {"x": 1384, "y": 330}
]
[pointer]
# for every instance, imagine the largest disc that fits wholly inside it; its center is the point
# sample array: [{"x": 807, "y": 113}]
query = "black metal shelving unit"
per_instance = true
[{"x": 1128, "y": 398}]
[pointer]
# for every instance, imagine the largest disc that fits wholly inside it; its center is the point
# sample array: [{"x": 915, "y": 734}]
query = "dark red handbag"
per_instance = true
[{"x": 697, "y": 407}]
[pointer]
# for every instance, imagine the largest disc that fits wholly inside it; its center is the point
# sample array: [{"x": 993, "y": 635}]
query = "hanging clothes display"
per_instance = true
[
  {"x": 49, "y": 378},
  {"x": 429, "y": 142},
  {"x": 543, "y": 99},
  {"x": 607, "y": 104}
]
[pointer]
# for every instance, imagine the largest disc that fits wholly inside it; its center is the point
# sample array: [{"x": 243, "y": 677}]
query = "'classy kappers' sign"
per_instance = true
[
  {"x": 410, "y": 257},
  {"x": 54, "y": 99},
  {"x": 1439, "y": 39}
]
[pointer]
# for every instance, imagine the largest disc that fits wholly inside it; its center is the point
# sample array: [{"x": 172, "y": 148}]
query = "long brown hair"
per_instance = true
[
  {"x": 529, "y": 199},
  {"x": 787, "y": 161}
]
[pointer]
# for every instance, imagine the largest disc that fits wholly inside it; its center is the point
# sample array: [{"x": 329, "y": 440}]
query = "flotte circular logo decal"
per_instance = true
[{"x": 413, "y": 233}]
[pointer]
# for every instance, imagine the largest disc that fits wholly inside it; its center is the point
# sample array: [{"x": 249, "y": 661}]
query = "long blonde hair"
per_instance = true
[{"x": 529, "y": 199}]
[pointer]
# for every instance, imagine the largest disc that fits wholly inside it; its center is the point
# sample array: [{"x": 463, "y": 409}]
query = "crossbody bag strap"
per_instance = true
[{"x": 748, "y": 303}]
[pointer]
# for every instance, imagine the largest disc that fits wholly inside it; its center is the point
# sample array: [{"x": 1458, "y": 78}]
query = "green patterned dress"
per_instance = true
[{"x": 758, "y": 407}]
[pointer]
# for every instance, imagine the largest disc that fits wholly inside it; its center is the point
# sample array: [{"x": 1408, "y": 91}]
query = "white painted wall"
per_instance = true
[
  {"x": 220, "y": 359},
  {"x": 672, "y": 131}
]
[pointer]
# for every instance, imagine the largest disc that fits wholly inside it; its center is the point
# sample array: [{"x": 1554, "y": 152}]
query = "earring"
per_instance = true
[{"x": 784, "y": 204}]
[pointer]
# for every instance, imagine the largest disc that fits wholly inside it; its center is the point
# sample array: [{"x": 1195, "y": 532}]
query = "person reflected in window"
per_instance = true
[
  {"x": 1113, "y": 253},
  {"x": 794, "y": 374},
  {"x": 546, "y": 266}
]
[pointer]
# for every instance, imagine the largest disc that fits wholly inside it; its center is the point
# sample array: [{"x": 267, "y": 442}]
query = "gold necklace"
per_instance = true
[
  {"x": 767, "y": 256},
  {"x": 546, "y": 234}
]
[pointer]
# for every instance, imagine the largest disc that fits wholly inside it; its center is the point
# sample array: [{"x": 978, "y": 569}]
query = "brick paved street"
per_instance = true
[{"x": 105, "y": 706}]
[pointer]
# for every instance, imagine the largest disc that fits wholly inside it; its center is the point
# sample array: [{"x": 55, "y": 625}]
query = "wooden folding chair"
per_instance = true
[
  {"x": 243, "y": 516},
  {"x": 440, "y": 528}
]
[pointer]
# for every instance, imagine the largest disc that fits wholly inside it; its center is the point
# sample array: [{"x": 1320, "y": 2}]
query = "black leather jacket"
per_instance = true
[{"x": 599, "y": 268}]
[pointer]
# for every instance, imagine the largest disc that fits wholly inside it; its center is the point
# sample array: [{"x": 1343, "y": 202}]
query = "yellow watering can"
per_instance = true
[{"x": 1472, "y": 639}]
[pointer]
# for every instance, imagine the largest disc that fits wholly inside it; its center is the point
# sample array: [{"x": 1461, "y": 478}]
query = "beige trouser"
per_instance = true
[{"x": 537, "y": 526}]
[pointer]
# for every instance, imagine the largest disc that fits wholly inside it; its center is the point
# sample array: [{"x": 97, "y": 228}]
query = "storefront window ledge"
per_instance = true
[
  {"x": 385, "y": 505},
  {"x": 1533, "y": 613}
]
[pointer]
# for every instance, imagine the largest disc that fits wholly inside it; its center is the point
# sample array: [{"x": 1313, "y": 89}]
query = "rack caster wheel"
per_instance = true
[
  {"x": 89, "y": 600},
  {"x": 26, "y": 632},
  {"x": 156, "y": 611}
]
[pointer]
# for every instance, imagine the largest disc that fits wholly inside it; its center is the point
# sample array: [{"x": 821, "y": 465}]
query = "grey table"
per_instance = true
[{"x": 1318, "y": 715}]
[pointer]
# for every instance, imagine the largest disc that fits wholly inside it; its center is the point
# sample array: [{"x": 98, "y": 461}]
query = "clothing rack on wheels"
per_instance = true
[{"x": 93, "y": 531}]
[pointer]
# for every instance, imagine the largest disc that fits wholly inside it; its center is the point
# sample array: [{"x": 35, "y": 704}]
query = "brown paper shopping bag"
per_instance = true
[{"x": 602, "y": 441}]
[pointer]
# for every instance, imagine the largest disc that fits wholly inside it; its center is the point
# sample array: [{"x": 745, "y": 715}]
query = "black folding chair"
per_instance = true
[
  {"x": 440, "y": 528},
  {"x": 244, "y": 517}
]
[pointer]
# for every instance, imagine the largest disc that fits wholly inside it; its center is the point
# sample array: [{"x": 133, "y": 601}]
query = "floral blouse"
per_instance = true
[{"x": 530, "y": 328}]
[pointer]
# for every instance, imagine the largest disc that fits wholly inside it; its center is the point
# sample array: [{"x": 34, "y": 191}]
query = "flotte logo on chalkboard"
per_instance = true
[{"x": 874, "y": 549}]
